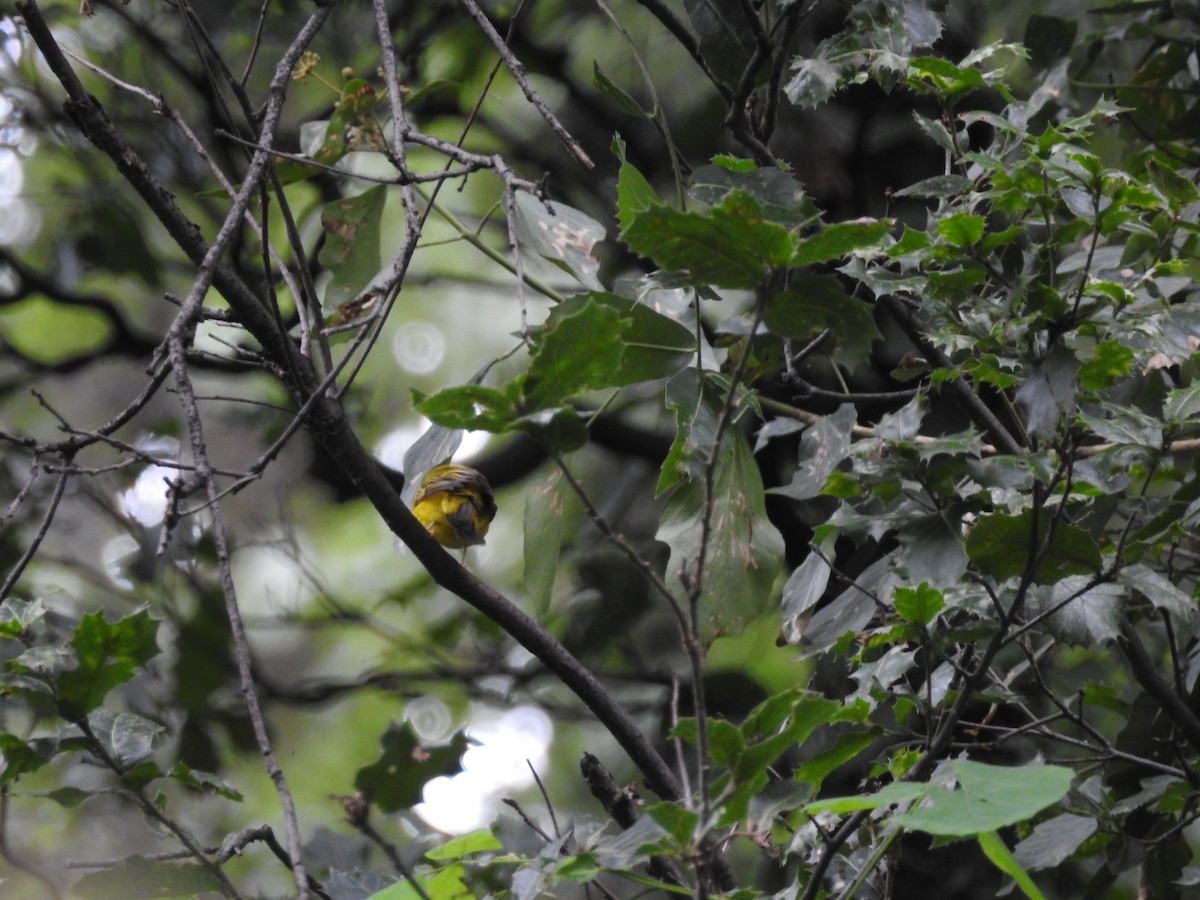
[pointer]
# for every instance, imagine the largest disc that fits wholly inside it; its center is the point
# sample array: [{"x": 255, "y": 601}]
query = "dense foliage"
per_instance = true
[{"x": 838, "y": 365}]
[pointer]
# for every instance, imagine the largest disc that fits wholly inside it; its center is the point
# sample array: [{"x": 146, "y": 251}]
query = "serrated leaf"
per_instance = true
[
  {"x": 779, "y": 193},
  {"x": 919, "y": 605},
  {"x": 351, "y": 251},
  {"x": 1109, "y": 361},
  {"x": 1087, "y": 620},
  {"x": 1000, "y": 545},
  {"x": 732, "y": 246},
  {"x": 1182, "y": 404},
  {"x": 205, "y": 782},
  {"x": 395, "y": 781},
  {"x": 814, "y": 80},
  {"x": 127, "y": 737},
  {"x": 1159, "y": 590},
  {"x": 582, "y": 350},
  {"x": 838, "y": 240},
  {"x": 962, "y": 230},
  {"x": 654, "y": 344},
  {"x": 107, "y": 655},
  {"x": 561, "y": 235}
]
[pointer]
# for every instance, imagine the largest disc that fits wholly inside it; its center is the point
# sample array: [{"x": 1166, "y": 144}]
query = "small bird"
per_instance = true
[{"x": 455, "y": 504}]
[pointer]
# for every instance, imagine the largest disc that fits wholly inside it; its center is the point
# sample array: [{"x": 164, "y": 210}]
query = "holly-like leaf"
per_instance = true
[
  {"x": 582, "y": 350},
  {"x": 732, "y": 246},
  {"x": 654, "y": 345},
  {"x": 107, "y": 655},
  {"x": 838, "y": 240},
  {"x": 919, "y": 605},
  {"x": 395, "y": 780},
  {"x": 779, "y": 193}
]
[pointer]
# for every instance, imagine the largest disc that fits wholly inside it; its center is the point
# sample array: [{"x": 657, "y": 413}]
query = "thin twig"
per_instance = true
[{"x": 518, "y": 73}]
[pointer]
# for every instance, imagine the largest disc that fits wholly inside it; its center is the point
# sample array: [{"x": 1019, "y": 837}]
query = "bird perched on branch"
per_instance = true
[{"x": 455, "y": 504}]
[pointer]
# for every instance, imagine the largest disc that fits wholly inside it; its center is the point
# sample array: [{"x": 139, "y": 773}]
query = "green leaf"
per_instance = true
[
  {"x": 471, "y": 407},
  {"x": 945, "y": 77},
  {"x": 478, "y": 841},
  {"x": 108, "y": 655},
  {"x": 1089, "y": 617},
  {"x": 17, "y": 758},
  {"x": 888, "y": 795},
  {"x": 744, "y": 551},
  {"x": 937, "y": 186},
  {"x": 961, "y": 230},
  {"x": 48, "y": 332},
  {"x": 655, "y": 346},
  {"x": 839, "y": 240},
  {"x": 1110, "y": 360},
  {"x": 1000, "y": 545},
  {"x": 395, "y": 781},
  {"x": 919, "y": 605},
  {"x": 996, "y": 851},
  {"x": 634, "y": 193},
  {"x": 1182, "y": 404},
  {"x": 680, "y": 823},
  {"x": 810, "y": 305},
  {"x": 17, "y": 616},
  {"x": 726, "y": 37},
  {"x": 351, "y": 251},
  {"x": 204, "y": 782},
  {"x": 561, "y": 235},
  {"x": 779, "y": 193},
  {"x": 732, "y": 246},
  {"x": 582, "y": 350},
  {"x": 616, "y": 95},
  {"x": 989, "y": 797},
  {"x": 138, "y": 877},
  {"x": 1159, "y": 590},
  {"x": 548, "y": 504}
]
